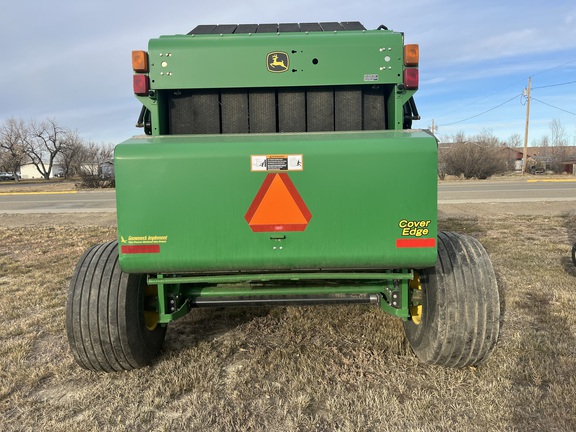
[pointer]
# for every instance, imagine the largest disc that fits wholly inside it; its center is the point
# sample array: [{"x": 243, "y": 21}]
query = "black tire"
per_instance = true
[
  {"x": 105, "y": 314},
  {"x": 574, "y": 254},
  {"x": 460, "y": 315}
]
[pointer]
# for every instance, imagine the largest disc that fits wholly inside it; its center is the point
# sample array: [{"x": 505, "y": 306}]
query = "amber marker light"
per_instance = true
[
  {"x": 411, "y": 55},
  {"x": 140, "y": 61}
]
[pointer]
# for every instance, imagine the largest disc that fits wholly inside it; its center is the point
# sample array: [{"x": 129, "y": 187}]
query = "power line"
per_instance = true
[
  {"x": 482, "y": 113},
  {"x": 478, "y": 100},
  {"x": 552, "y": 106},
  {"x": 555, "y": 67},
  {"x": 505, "y": 88},
  {"x": 554, "y": 85}
]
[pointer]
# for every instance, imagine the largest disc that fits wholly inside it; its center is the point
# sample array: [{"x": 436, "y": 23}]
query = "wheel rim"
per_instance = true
[
  {"x": 416, "y": 310},
  {"x": 150, "y": 315}
]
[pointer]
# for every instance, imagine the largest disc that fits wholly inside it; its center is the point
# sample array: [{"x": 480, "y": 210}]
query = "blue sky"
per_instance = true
[{"x": 70, "y": 60}]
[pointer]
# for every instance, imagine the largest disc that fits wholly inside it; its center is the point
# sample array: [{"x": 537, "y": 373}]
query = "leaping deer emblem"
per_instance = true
[{"x": 277, "y": 64}]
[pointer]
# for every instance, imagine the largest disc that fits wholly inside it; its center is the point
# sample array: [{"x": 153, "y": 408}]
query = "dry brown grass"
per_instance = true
[
  {"x": 294, "y": 368},
  {"x": 29, "y": 186}
]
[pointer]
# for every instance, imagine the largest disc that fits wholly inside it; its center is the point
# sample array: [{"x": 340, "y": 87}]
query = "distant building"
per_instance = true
[
  {"x": 106, "y": 169},
  {"x": 29, "y": 171},
  {"x": 559, "y": 159}
]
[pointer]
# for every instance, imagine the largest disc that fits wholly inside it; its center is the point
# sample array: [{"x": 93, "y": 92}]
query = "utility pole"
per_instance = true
[
  {"x": 527, "y": 123},
  {"x": 433, "y": 128}
]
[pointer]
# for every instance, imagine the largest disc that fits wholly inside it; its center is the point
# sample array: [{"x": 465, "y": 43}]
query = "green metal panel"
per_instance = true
[
  {"x": 183, "y": 201},
  {"x": 304, "y": 59},
  {"x": 274, "y": 277}
]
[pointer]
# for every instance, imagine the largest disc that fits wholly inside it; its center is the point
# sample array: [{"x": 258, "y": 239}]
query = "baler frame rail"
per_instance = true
[
  {"x": 177, "y": 295},
  {"x": 267, "y": 277}
]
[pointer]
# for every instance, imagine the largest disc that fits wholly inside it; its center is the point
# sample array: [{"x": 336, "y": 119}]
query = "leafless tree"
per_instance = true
[
  {"x": 515, "y": 141},
  {"x": 555, "y": 148},
  {"x": 90, "y": 166},
  {"x": 44, "y": 142},
  {"x": 92, "y": 155},
  {"x": 71, "y": 155},
  {"x": 544, "y": 142},
  {"x": 479, "y": 156},
  {"x": 12, "y": 145},
  {"x": 558, "y": 133}
]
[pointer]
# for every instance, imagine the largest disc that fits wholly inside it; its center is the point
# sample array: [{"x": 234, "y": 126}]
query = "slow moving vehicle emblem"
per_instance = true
[
  {"x": 278, "y": 206},
  {"x": 277, "y": 61}
]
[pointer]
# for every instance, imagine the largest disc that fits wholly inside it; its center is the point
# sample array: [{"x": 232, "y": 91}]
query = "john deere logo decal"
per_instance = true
[{"x": 277, "y": 61}]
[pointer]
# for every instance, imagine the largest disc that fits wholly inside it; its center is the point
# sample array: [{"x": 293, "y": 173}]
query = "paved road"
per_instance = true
[
  {"x": 507, "y": 191},
  {"x": 448, "y": 193},
  {"x": 58, "y": 202}
]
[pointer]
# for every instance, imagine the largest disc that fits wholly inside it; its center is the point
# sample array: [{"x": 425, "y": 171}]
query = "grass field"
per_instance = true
[{"x": 342, "y": 368}]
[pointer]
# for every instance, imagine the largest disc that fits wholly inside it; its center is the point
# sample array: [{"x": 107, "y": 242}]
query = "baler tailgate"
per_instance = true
[{"x": 362, "y": 200}]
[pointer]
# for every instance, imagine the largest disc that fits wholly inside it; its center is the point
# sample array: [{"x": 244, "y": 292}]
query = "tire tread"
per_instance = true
[
  {"x": 104, "y": 314},
  {"x": 461, "y": 311}
]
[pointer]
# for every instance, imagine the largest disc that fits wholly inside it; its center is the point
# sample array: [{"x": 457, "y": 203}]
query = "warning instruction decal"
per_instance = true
[{"x": 276, "y": 163}]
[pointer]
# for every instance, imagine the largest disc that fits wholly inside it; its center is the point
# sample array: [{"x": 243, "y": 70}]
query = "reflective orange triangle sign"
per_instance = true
[{"x": 278, "y": 207}]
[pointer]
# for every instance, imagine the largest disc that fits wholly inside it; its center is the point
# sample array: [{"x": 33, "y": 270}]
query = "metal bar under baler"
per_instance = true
[
  {"x": 263, "y": 277},
  {"x": 177, "y": 295},
  {"x": 285, "y": 301}
]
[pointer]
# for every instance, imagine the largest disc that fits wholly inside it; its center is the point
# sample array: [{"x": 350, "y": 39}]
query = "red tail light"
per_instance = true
[
  {"x": 411, "y": 78},
  {"x": 141, "y": 84}
]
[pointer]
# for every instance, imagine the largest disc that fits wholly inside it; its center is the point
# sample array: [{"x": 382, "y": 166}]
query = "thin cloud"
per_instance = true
[{"x": 72, "y": 62}]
